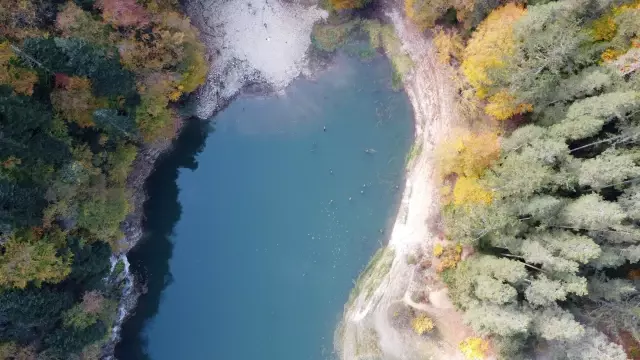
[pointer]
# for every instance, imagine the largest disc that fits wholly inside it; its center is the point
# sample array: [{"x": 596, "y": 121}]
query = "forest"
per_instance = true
[
  {"x": 84, "y": 85},
  {"x": 541, "y": 183}
]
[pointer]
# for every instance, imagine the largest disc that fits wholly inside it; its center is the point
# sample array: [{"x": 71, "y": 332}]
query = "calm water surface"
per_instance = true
[{"x": 256, "y": 231}]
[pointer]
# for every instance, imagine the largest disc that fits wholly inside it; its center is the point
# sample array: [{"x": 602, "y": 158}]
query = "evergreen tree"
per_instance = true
[{"x": 502, "y": 320}]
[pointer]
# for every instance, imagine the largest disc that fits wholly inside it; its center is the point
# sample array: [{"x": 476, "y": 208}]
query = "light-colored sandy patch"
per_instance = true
[{"x": 250, "y": 42}]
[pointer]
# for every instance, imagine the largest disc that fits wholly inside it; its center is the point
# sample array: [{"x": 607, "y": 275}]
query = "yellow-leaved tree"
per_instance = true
[
  {"x": 33, "y": 257},
  {"x": 503, "y": 105},
  {"x": 488, "y": 50},
  {"x": 469, "y": 191},
  {"x": 20, "y": 79},
  {"x": 449, "y": 45},
  {"x": 474, "y": 348},
  {"x": 467, "y": 154},
  {"x": 422, "y": 324},
  {"x": 489, "y": 47}
]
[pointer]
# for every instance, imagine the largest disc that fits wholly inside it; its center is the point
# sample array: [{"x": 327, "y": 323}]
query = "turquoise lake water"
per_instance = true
[{"x": 256, "y": 231}]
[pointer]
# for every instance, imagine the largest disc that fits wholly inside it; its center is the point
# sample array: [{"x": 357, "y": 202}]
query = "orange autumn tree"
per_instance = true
[
  {"x": 424, "y": 13},
  {"x": 73, "y": 100},
  {"x": 72, "y": 21},
  {"x": 123, "y": 13},
  {"x": 488, "y": 50},
  {"x": 19, "y": 19}
]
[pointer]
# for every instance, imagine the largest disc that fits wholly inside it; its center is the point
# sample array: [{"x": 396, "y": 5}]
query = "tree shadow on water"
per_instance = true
[{"x": 150, "y": 260}]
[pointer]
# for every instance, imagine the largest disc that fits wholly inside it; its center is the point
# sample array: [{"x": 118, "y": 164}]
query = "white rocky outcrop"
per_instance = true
[{"x": 251, "y": 42}]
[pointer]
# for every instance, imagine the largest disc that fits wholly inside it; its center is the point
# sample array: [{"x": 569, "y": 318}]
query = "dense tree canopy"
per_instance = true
[
  {"x": 559, "y": 227},
  {"x": 83, "y": 85}
]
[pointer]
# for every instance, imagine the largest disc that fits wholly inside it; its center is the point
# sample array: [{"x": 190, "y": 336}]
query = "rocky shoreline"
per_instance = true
[
  {"x": 132, "y": 227},
  {"x": 232, "y": 73}
]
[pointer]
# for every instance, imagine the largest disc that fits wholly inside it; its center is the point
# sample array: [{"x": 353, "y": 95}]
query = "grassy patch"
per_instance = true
[
  {"x": 392, "y": 45},
  {"x": 414, "y": 152},
  {"x": 384, "y": 36},
  {"x": 372, "y": 275},
  {"x": 373, "y": 28},
  {"x": 119, "y": 268},
  {"x": 334, "y": 33},
  {"x": 328, "y": 36}
]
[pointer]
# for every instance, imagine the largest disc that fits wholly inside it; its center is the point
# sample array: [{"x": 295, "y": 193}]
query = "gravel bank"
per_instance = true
[{"x": 251, "y": 42}]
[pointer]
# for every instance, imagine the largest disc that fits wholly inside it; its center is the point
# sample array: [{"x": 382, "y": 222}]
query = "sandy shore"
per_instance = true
[{"x": 371, "y": 311}]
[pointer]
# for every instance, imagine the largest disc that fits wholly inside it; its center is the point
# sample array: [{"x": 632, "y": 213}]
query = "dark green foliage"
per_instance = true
[
  {"x": 71, "y": 125},
  {"x": 24, "y": 314},
  {"x": 103, "y": 213},
  {"x": 20, "y": 205},
  {"x": 90, "y": 264},
  {"x": 118, "y": 126},
  {"x": 70, "y": 340},
  {"x": 25, "y": 131},
  {"x": 79, "y": 58}
]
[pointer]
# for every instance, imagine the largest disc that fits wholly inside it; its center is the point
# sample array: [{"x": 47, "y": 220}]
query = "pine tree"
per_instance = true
[
  {"x": 494, "y": 291},
  {"x": 521, "y": 137},
  {"x": 543, "y": 291},
  {"x": 499, "y": 268},
  {"x": 520, "y": 175},
  {"x": 604, "y": 288},
  {"x": 630, "y": 201},
  {"x": 554, "y": 323},
  {"x": 586, "y": 117},
  {"x": 503, "y": 320},
  {"x": 535, "y": 253},
  {"x": 610, "y": 167},
  {"x": 591, "y": 212},
  {"x": 594, "y": 345},
  {"x": 568, "y": 245},
  {"x": 542, "y": 208}
]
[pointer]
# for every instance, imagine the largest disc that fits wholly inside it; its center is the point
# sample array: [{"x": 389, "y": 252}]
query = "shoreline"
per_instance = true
[
  {"x": 410, "y": 228},
  {"x": 366, "y": 321},
  {"x": 227, "y": 79}
]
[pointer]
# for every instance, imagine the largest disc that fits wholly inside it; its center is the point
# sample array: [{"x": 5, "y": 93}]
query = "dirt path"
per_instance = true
[{"x": 371, "y": 314}]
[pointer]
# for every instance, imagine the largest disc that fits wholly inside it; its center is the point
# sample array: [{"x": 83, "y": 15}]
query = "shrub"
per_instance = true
[
  {"x": 422, "y": 324},
  {"x": 474, "y": 348},
  {"x": 329, "y": 37}
]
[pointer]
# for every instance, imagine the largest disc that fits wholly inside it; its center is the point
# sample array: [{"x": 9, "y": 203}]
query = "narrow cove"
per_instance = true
[{"x": 253, "y": 255}]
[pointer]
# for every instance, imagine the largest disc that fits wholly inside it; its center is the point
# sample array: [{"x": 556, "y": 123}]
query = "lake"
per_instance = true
[{"x": 256, "y": 231}]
